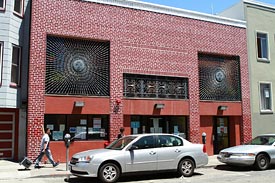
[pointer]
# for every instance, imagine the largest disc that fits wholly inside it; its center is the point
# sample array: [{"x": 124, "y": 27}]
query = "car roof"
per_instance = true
[
  {"x": 269, "y": 134},
  {"x": 149, "y": 134}
]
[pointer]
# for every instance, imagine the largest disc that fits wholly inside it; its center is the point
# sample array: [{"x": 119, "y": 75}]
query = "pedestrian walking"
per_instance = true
[
  {"x": 121, "y": 134},
  {"x": 45, "y": 149}
]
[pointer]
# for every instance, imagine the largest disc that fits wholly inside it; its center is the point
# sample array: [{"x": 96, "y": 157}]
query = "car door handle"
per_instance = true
[
  {"x": 152, "y": 153},
  {"x": 177, "y": 150}
]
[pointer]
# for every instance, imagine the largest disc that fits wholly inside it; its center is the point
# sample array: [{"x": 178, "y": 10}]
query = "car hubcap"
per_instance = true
[
  {"x": 186, "y": 167},
  {"x": 263, "y": 162},
  {"x": 109, "y": 173}
]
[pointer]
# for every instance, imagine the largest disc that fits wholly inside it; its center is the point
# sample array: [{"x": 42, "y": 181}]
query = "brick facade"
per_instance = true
[{"x": 140, "y": 42}]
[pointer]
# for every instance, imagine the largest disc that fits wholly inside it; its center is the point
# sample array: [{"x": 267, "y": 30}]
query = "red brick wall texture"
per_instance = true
[{"x": 140, "y": 42}]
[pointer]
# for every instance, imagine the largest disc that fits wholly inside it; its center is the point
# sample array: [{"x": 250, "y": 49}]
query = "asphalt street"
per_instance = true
[
  {"x": 218, "y": 174},
  {"x": 214, "y": 172}
]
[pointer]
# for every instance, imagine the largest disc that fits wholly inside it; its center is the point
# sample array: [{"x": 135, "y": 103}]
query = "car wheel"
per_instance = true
[
  {"x": 262, "y": 162},
  {"x": 186, "y": 167},
  {"x": 109, "y": 173}
]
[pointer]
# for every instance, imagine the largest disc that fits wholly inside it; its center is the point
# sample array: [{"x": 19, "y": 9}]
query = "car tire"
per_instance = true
[
  {"x": 186, "y": 167},
  {"x": 109, "y": 173},
  {"x": 262, "y": 162}
]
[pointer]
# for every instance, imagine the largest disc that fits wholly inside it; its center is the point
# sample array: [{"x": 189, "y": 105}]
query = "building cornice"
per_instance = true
[
  {"x": 260, "y": 5},
  {"x": 144, "y": 6}
]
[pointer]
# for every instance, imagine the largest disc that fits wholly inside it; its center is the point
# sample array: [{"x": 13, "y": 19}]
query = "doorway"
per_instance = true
[
  {"x": 7, "y": 135},
  {"x": 221, "y": 134}
]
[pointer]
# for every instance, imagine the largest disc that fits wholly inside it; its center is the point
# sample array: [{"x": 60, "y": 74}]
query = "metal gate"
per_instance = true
[{"x": 7, "y": 133}]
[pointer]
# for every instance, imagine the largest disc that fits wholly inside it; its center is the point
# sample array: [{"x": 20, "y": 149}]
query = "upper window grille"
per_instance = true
[
  {"x": 219, "y": 78},
  {"x": 145, "y": 86},
  {"x": 77, "y": 67}
]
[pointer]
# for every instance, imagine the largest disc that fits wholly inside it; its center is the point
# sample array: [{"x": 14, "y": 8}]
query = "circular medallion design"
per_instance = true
[
  {"x": 219, "y": 75},
  {"x": 78, "y": 65}
]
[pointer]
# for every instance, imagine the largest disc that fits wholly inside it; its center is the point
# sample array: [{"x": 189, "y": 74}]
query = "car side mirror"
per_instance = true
[{"x": 133, "y": 147}]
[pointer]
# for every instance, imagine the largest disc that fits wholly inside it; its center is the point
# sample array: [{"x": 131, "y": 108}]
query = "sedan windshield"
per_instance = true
[
  {"x": 262, "y": 140},
  {"x": 120, "y": 143}
]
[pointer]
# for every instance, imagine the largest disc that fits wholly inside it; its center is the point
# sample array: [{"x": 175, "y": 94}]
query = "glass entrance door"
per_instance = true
[
  {"x": 221, "y": 134},
  {"x": 156, "y": 128}
]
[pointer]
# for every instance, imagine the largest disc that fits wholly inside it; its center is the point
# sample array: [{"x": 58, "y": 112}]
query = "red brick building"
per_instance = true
[{"x": 98, "y": 65}]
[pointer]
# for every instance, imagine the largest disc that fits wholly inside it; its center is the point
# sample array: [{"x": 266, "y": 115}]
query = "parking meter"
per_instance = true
[
  {"x": 203, "y": 138},
  {"x": 67, "y": 140}
]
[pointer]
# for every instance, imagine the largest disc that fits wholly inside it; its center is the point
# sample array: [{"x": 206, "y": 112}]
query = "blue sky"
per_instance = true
[{"x": 204, "y": 6}]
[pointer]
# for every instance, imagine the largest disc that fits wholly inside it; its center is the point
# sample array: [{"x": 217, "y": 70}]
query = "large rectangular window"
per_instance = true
[
  {"x": 80, "y": 127},
  {"x": 2, "y": 4},
  {"x": 265, "y": 97},
  {"x": 262, "y": 46},
  {"x": 15, "y": 67},
  {"x": 1, "y": 60},
  {"x": 18, "y": 7}
]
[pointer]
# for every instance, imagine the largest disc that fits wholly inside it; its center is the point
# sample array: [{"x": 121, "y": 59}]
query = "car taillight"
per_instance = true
[{"x": 204, "y": 148}]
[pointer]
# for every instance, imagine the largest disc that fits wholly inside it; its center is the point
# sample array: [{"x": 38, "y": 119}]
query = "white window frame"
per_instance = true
[
  {"x": 21, "y": 8},
  {"x": 4, "y": 6},
  {"x": 1, "y": 60},
  {"x": 18, "y": 66},
  {"x": 267, "y": 47},
  {"x": 264, "y": 110}
]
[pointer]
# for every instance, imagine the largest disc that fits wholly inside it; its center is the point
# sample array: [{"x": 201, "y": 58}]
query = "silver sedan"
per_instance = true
[
  {"x": 140, "y": 153},
  {"x": 260, "y": 152}
]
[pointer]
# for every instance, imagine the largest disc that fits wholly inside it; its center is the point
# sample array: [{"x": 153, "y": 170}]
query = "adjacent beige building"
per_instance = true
[{"x": 260, "y": 19}]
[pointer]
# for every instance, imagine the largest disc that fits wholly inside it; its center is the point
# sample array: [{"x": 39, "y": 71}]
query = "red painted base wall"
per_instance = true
[{"x": 58, "y": 149}]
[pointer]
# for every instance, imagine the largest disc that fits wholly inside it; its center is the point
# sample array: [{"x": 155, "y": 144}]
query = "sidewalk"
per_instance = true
[
  {"x": 213, "y": 161},
  {"x": 12, "y": 170}
]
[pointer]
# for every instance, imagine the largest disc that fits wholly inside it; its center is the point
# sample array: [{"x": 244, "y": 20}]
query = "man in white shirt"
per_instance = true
[{"x": 44, "y": 149}]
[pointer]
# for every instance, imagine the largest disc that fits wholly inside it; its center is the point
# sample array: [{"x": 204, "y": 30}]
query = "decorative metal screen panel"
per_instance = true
[
  {"x": 219, "y": 78},
  {"x": 155, "y": 86},
  {"x": 77, "y": 67}
]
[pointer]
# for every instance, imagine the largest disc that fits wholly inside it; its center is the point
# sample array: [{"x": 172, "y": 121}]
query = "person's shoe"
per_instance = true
[
  {"x": 57, "y": 163},
  {"x": 37, "y": 166}
]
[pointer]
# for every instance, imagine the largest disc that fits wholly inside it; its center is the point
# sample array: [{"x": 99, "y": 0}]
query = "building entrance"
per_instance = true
[{"x": 221, "y": 134}]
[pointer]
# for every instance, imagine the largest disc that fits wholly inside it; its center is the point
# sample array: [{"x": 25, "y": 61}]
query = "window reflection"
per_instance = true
[{"x": 80, "y": 127}]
